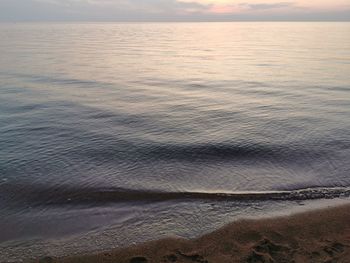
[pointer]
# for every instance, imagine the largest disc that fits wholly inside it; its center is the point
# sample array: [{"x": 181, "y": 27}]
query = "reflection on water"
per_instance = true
[{"x": 132, "y": 113}]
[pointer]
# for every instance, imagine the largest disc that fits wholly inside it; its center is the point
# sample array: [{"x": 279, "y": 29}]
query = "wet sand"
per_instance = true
[{"x": 316, "y": 236}]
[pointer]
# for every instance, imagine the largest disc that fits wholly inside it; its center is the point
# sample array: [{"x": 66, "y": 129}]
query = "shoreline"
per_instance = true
[{"x": 321, "y": 235}]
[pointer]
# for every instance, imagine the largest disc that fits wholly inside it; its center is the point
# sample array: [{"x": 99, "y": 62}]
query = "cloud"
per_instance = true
[
  {"x": 167, "y": 10},
  {"x": 265, "y": 6},
  {"x": 129, "y": 5},
  {"x": 97, "y": 10}
]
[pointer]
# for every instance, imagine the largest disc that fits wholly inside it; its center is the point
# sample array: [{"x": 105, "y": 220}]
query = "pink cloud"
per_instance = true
[{"x": 223, "y": 9}]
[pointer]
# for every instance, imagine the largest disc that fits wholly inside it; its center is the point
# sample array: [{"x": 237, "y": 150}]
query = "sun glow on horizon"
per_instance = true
[{"x": 263, "y": 6}]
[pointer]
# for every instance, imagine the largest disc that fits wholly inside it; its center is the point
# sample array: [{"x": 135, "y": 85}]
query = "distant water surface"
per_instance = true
[{"x": 133, "y": 132}]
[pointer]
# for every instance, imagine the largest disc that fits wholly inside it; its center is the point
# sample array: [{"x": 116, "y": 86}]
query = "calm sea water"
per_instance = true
[{"x": 119, "y": 133}]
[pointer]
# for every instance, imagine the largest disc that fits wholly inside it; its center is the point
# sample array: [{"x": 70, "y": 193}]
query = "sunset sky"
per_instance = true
[{"x": 173, "y": 10}]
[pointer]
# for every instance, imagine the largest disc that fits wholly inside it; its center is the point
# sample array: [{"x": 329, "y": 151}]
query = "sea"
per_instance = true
[{"x": 113, "y": 134}]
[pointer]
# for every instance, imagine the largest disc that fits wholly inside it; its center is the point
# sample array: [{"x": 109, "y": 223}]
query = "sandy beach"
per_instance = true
[{"x": 316, "y": 236}]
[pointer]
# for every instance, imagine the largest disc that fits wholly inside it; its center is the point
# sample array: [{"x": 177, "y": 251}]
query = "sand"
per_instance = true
[{"x": 317, "y": 236}]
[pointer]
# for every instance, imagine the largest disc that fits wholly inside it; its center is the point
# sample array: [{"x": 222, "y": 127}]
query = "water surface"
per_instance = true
[{"x": 147, "y": 130}]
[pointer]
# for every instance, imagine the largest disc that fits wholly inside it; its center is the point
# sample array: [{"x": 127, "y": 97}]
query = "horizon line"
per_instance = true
[{"x": 167, "y": 21}]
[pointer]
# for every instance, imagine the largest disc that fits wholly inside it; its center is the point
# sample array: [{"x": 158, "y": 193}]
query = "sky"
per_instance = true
[{"x": 174, "y": 10}]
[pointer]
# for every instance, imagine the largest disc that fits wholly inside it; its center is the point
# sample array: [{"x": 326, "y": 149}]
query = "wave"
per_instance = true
[
  {"x": 38, "y": 78},
  {"x": 41, "y": 195},
  {"x": 109, "y": 149},
  {"x": 228, "y": 151}
]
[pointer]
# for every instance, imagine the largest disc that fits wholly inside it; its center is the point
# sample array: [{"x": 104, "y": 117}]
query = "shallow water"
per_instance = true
[{"x": 168, "y": 128}]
